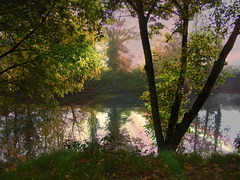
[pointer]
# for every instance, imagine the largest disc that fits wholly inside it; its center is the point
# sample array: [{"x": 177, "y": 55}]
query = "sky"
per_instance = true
[
  {"x": 135, "y": 47},
  {"x": 234, "y": 56}
]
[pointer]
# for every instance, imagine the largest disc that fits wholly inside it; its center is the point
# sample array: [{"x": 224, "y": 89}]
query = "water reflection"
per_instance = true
[
  {"x": 216, "y": 126},
  {"x": 122, "y": 127},
  {"x": 207, "y": 134},
  {"x": 28, "y": 130}
]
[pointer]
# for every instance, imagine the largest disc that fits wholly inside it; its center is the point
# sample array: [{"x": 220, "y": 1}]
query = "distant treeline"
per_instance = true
[{"x": 231, "y": 85}]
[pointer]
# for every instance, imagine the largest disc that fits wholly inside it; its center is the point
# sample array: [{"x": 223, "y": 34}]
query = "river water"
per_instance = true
[
  {"x": 26, "y": 134},
  {"x": 215, "y": 128}
]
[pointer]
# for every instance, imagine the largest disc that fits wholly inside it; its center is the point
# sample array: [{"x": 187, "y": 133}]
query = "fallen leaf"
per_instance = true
[
  {"x": 67, "y": 176},
  {"x": 87, "y": 175},
  {"x": 84, "y": 160},
  {"x": 74, "y": 164},
  {"x": 156, "y": 171},
  {"x": 51, "y": 162},
  {"x": 114, "y": 175}
]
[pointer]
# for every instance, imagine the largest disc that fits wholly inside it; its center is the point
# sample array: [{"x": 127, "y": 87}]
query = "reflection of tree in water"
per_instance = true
[
  {"x": 28, "y": 130},
  {"x": 18, "y": 134},
  {"x": 118, "y": 136},
  {"x": 218, "y": 117},
  {"x": 93, "y": 125},
  {"x": 75, "y": 121},
  {"x": 206, "y": 135},
  {"x": 30, "y": 133}
]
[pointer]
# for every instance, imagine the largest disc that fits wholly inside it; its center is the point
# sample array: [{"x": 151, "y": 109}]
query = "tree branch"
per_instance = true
[
  {"x": 17, "y": 65},
  {"x": 132, "y": 4},
  {"x": 26, "y": 37},
  {"x": 151, "y": 9},
  {"x": 18, "y": 44},
  {"x": 165, "y": 8},
  {"x": 173, "y": 32},
  {"x": 178, "y": 5},
  {"x": 175, "y": 108}
]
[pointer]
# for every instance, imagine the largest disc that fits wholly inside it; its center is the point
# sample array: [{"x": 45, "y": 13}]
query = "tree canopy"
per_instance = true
[
  {"x": 119, "y": 58},
  {"x": 46, "y": 47}
]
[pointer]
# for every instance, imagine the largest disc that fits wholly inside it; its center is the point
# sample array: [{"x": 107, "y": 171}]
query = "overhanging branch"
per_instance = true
[
  {"x": 151, "y": 9},
  {"x": 17, "y": 65},
  {"x": 18, "y": 44},
  {"x": 132, "y": 4},
  {"x": 26, "y": 37}
]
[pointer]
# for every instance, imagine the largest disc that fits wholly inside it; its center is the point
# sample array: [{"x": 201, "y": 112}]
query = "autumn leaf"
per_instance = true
[
  {"x": 156, "y": 171},
  {"x": 14, "y": 167},
  {"x": 51, "y": 163},
  {"x": 84, "y": 160},
  {"x": 166, "y": 166},
  {"x": 87, "y": 175},
  {"x": 114, "y": 175},
  {"x": 102, "y": 160},
  {"x": 67, "y": 176},
  {"x": 53, "y": 172}
]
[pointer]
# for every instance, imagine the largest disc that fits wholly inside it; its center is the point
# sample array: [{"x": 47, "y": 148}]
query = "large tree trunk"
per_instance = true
[
  {"x": 143, "y": 21},
  {"x": 189, "y": 116},
  {"x": 181, "y": 79}
]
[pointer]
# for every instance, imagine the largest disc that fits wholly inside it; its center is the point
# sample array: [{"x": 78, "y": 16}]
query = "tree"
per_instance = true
[
  {"x": 117, "y": 52},
  {"x": 184, "y": 11},
  {"x": 46, "y": 47}
]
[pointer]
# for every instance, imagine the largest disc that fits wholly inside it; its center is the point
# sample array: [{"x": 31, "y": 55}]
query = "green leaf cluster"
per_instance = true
[{"x": 47, "y": 47}]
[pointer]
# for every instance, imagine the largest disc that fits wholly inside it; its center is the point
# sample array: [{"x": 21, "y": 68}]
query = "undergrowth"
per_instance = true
[{"x": 95, "y": 161}]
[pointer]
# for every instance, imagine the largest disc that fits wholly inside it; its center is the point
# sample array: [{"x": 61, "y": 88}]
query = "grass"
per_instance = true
[{"x": 93, "y": 163}]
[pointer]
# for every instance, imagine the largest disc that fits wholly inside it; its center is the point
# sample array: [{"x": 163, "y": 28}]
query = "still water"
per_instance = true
[{"x": 28, "y": 131}]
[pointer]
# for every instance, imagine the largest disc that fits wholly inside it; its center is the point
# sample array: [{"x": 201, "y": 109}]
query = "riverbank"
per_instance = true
[{"x": 95, "y": 164}]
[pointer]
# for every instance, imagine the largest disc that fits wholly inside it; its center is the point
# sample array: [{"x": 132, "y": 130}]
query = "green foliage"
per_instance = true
[
  {"x": 47, "y": 48},
  {"x": 95, "y": 164},
  {"x": 224, "y": 16},
  {"x": 119, "y": 59},
  {"x": 203, "y": 50},
  {"x": 133, "y": 81}
]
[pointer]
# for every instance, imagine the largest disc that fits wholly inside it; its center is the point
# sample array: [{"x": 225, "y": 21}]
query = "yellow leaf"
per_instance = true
[
  {"x": 114, "y": 175},
  {"x": 14, "y": 167},
  {"x": 165, "y": 165},
  {"x": 102, "y": 160},
  {"x": 99, "y": 163},
  {"x": 67, "y": 176},
  {"x": 73, "y": 164}
]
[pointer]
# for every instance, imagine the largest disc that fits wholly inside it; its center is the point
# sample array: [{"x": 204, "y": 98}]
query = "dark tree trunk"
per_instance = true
[
  {"x": 143, "y": 21},
  {"x": 181, "y": 80}
]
